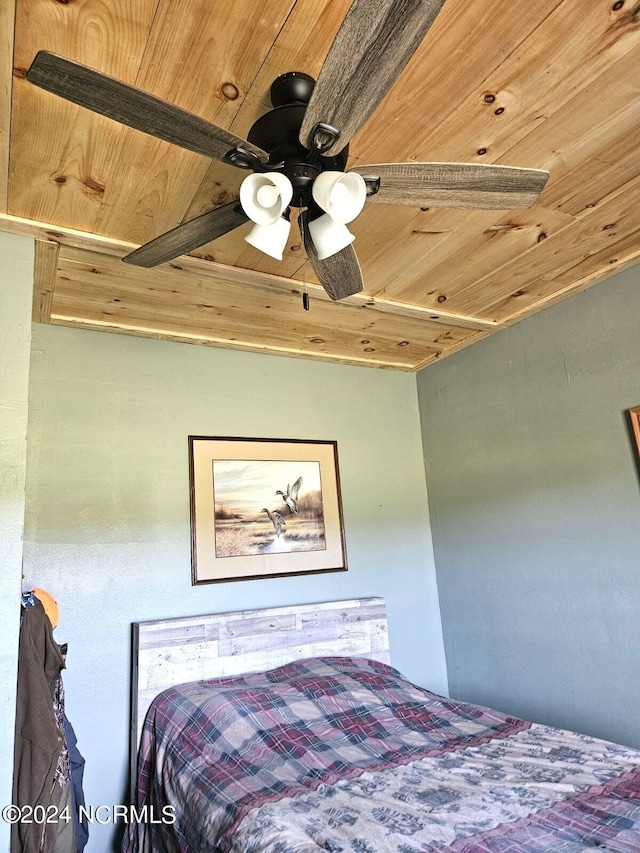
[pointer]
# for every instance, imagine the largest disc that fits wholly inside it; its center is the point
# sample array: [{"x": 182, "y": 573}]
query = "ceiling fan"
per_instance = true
[{"x": 297, "y": 153}]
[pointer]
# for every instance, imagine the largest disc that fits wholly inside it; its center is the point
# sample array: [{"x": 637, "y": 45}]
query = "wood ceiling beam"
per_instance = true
[
  {"x": 224, "y": 343},
  {"x": 118, "y": 248},
  {"x": 45, "y": 266},
  {"x": 180, "y": 305}
]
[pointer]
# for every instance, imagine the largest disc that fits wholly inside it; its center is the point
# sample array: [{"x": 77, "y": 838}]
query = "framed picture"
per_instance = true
[
  {"x": 263, "y": 507},
  {"x": 634, "y": 415}
]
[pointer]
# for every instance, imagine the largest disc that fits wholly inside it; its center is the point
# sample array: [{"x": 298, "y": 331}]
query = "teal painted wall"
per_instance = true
[
  {"x": 107, "y": 517},
  {"x": 535, "y": 507}
]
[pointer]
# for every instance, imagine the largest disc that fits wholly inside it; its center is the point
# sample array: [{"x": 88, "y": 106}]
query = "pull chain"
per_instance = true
[{"x": 305, "y": 295}]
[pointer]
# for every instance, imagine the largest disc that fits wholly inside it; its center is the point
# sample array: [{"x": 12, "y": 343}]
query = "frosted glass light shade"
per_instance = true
[
  {"x": 329, "y": 237},
  {"x": 265, "y": 197},
  {"x": 340, "y": 194},
  {"x": 270, "y": 239}
]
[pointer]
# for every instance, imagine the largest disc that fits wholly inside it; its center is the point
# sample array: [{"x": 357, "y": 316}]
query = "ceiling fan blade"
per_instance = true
[
  {"x": 188, "y": 236},
  {"x": 375, "y": 42},
  {"x": 124, "y": 103},
  {"x": 462, "y": 185},
  {"x": 339, "y": 274}
]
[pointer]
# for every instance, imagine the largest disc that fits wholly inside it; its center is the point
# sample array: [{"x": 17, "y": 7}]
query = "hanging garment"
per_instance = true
[
  {"x": 76, "y": 762},
  {"x": 65, "y": 836},
  {"x": 39, "y": 740}
]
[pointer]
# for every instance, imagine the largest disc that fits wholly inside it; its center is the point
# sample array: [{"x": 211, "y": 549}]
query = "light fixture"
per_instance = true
[
  {"x": 265, "y": 198},
  {"x": 329, "y": 237},
  {"x": 340, "y": 194},
  {"x": 272, "y": 238}
]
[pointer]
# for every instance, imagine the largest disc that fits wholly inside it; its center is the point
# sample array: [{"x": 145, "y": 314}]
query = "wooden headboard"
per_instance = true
[{"x": 167, "y": 652}]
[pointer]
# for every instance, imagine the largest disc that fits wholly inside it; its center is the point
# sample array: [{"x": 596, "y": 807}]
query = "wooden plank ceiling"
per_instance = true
[{"x": 553, "y": 84}]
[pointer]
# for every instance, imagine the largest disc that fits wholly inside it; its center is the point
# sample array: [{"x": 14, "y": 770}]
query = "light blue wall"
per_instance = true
[
  {"x": 535, "y": 507},
  {"x": 107, "y": 522},
  {"x": 16, "y": 270}
]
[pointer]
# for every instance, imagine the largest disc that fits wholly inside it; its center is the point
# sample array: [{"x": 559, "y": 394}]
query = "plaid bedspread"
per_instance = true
[{"x": 340, "y": 754}]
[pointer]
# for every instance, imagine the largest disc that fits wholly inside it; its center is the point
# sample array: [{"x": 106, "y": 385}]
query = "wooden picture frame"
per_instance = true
[
  {"x": 264, "y": 508},
  {"x": 634, "y": 416}
]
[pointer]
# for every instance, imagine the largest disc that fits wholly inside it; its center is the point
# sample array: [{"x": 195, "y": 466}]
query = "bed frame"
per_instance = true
[{"x": 167, "y": 652}]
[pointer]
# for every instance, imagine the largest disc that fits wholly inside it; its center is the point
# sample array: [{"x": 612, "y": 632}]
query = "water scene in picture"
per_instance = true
[{"x": 266, "y": 506}]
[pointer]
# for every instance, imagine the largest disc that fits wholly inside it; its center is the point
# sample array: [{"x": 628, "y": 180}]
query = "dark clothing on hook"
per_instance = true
[
  {"x": 77, "y": 771},
  {"x": 39, "y": 741}
]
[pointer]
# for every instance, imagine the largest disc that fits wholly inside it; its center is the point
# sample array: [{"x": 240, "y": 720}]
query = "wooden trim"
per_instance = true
[
  {"x": 45, "y": 266},
  {"x": 634, "y": 416},
  {"x": 7, "y": 26},
  {"x": 66, "y": 236},
  {"x": 401, "y": 309},
  {"x": 166, "y": 652}
]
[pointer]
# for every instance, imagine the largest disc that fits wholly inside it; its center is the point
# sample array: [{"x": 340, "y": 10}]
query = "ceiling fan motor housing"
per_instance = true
[{"x": 277, "y": 132}]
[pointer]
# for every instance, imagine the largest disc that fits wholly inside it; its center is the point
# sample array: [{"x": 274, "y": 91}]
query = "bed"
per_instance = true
[{"x": 332, "y": 749}]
